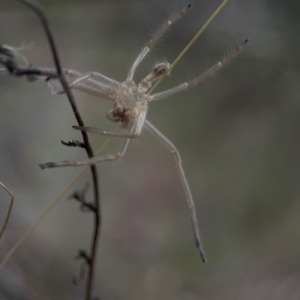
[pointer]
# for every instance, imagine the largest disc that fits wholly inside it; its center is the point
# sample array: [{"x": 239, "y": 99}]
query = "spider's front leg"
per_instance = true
[
  {"x": 95, "y": 84},
  {"x": 90, "y": 161},
  {"x": 133, "y": 131},
  {"x": 215, "y": 68},
  {"x": 155, "y": 38},
  {"x": 119, "y": 114}
]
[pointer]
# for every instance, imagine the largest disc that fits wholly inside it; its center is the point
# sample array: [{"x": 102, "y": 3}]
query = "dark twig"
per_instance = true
[
  {"x": 83, "y": 255},
  {"x": 8, "y": 58},
  {"x": 18, "y": 71},
  {"x": 97, "y": 213},
  {"x": 80, "y": 197},
  {"x": 73, "y": 143}
]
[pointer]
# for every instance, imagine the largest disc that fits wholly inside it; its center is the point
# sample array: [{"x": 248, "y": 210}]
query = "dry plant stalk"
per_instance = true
[
  {"x": 9, "y": 209},
  {"x": 89, "y": 258}
]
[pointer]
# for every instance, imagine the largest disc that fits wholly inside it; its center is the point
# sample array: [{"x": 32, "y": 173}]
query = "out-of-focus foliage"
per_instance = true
[{"x": 238, "y": 133}]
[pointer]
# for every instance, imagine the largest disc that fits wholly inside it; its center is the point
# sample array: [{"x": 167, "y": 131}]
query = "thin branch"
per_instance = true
[
  {"x": 79, "y": 196},
  {"x": 9, "y": 210},
  {"x": 73, "y": 143},
  {"x": 97, "y": 214},
  {"x": 29, "y": 72}
]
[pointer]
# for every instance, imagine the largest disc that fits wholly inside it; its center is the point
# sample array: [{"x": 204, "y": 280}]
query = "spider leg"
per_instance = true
[
  {"x": 91, "y": 78},
  {"x": 106, "y": 133},
  {"x": 72, "y": 73},
  {"x": 211, "y": 71},
  {"x": 90, "y": 161},
  {"x": 88, "y": 89},
  {"x": 98, "y": 79},
  {"x": 68, "y": 72},
  {"x": 133, "y": 133},
  {"x": 185, "y": 185},
  {"x": 90, "y": 86},
  {"x": 157, "y": 35},
  {"x": 93, "y": 86},
  {"x": 92, "y": 82}
]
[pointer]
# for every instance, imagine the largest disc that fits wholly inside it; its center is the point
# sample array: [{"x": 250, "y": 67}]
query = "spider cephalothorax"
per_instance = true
[
  {"x": 130, "y": 99},
  {"x": 129, "y": 106}
]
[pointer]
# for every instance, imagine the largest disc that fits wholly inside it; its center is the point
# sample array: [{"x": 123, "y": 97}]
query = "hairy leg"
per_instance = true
[
  {"x": 157, "y": 35},
  {"x": 209, "y": 72},
  {"x": 185, "y": 185},
  {"x": 90, "y": 161}
]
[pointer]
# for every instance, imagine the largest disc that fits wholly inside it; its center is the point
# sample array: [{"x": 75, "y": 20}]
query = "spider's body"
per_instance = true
[
  {"x": 131, "y": 100},
  {"x": 130, "y": 105}
]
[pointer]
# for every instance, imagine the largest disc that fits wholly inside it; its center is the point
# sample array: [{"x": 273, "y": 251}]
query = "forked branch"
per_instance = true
[{"x": 60, "y": 74}]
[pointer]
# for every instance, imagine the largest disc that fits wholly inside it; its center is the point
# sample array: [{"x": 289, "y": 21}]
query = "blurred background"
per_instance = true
[{"x": 238, "y": 133}]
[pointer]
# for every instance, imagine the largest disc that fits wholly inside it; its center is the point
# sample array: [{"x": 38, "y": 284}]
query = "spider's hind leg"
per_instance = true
[
  {"x": 94, "y": 78},
  {"x": 185, "y": 185}
]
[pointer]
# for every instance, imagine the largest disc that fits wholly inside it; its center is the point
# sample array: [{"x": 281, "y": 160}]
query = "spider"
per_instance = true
[{"x": 131, "y": 105}]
